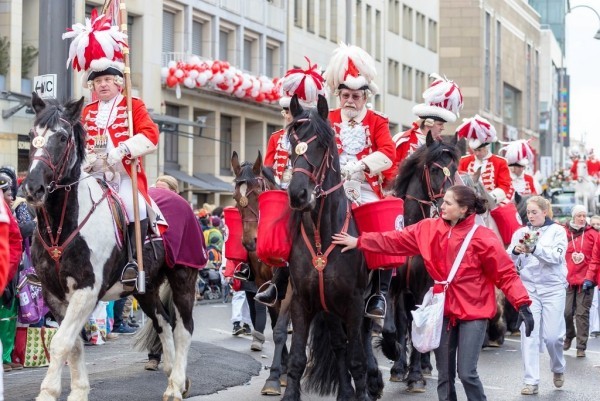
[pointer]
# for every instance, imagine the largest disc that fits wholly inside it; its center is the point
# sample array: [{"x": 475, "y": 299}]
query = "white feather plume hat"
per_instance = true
[
  {"x": 443, "y": 100},
  {"x": 307, "y": 85},
  {"x": 518, "y": 152},
  {"x": 97, "y": 47},
  {"x": 478, "y": 131},
  {"x": 351, "y": 67}
]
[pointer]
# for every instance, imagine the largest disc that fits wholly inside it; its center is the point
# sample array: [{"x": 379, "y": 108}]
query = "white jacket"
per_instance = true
[{"x": 544, "y": 270}]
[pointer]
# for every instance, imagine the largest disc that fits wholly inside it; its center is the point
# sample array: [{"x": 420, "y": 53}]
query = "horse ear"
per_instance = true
[
  {"x": 37, "y": 103},
  {"x": 323, "y": 107},
  {"x": 454, "y": 139},
  {"x": 429, "y": 140},
  {"x": 235, "y": 163},
  {"x": 295, "y": 107},
  {"x": 257, "y": 168},
  {"x": 73, "y": 110}
]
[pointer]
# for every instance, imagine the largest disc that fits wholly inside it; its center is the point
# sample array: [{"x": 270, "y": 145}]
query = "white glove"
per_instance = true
[
  {"x": 354, "y": 166},
  {"x": 117, "y": 154}
]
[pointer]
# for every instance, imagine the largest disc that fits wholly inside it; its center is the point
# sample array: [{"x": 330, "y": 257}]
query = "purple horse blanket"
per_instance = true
[{"x": 183, "y": 239}]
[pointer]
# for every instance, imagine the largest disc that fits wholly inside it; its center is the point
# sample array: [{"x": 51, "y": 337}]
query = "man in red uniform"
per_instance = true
[
  {"x": 495, "y": 175},
  {"x": 367, "y": 152},
  {"x": 110, "y": 151},
  {"x": 574, "y": 156},
  {"x": 593, "y": 164},
  {"x": 519, "y": 155},
  {"x": 442, "y": 102}
]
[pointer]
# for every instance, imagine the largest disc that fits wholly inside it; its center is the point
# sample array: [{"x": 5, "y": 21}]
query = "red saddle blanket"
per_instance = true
[{"x": 183, "y": 240}]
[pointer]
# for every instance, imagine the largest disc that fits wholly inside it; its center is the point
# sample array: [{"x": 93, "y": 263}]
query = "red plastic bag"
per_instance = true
[{"x": 273, "y": 242}]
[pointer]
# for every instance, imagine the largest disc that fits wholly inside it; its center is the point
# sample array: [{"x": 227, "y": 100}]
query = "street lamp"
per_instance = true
[{"x": 569, "y": 9}]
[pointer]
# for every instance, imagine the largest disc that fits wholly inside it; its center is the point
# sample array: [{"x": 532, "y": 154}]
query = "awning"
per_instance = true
[
  {"x": 214, "y": 185},
  {"x": 222, "y": 186}
]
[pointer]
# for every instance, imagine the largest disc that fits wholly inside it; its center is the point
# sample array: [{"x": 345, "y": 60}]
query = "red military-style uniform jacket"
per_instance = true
[
  {"x": 4, "y": 247},
  {"x": 593, "y": 167},
  {"x": 524, "y": 185},
  {"x": 574, "y": 174},
  {"x": 495, "y": 176},
  {"x": 277, "y": 156},
  {"x": 580, "y": 241},
  {"x": 485, "y": 264},
  {"x": 379, "y": 152},
  {"x": 408, "y": 142},
  {"x": 144, "y": 140}
]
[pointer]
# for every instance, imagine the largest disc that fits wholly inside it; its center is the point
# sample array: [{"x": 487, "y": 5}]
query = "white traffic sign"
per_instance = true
[{"x": 45, "y": 86}]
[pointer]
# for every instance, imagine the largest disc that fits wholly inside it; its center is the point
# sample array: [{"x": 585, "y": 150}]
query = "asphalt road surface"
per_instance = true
[{"x": 222, "y": 367}]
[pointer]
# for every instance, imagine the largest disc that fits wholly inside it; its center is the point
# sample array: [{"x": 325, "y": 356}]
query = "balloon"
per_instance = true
[
  {"x": 193, "y": 74},
  {"x": 179, "y": 73},
  {"x": 171, "y": 81},
  {"x": 164, "y": 73},
  {"x": 260, "y": 98},
  {"x": 189, "y": 82},
  {"x": 202, "y": 79},
  {"x": 172, "y": 64},
  {"x": 216, "y": 67}
]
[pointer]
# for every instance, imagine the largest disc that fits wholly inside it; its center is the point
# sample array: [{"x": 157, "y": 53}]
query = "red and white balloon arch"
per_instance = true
[{"x": 220, "y": 76}]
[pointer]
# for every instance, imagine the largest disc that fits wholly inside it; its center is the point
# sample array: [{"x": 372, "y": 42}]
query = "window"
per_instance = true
[
  {"x": 310, "y": 16},
  {"x": 528, "y": 97},
  {"x": 378, "y": 30},
  {"x": 420, "y": 33},
  {"x": 168, "y": 37},
  {"x": 298, "y": 21},
  {"x": 393, "y": 77},
  {"x": 270, "y": 62},
  {"x": 407, "y": 82},
  {"x": 247, "y": 55},
  {"x": 333, "y": 21},
  {"x": 512, "y": 103},
  {"x": 407, "y": 22},
  {"x": 498, "y": 68},
  {"x": 225, "y": 145},
  {"x": 223, "y": 46},
  {"x": 433, "y": 36},
  {"x": 394, "y": 16},
  {"x": 172, "y": 139},
  {"x": 420, "y": 83},
  {"x": 197, "y": 38},
  {"x": 323, "y": 18},
  {"x": 358, "y": 38},
  {"x": 536, "y": 91},
  {"x": 369, "y": 44},
  {"x": 487, "y": 38}
]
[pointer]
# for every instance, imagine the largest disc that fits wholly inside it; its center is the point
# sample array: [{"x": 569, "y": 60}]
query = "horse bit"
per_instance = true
[{"x": 433, "y": 196}]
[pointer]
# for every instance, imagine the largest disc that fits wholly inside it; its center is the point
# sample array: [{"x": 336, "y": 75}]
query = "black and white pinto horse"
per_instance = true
[
  {"x": 328, "y": 286},
  {"x": 79, "y": 261},
  {"x": 424, "y": 178}
]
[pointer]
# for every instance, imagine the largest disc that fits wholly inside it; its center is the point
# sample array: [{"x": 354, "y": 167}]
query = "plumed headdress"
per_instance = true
[
  {"x": 442, "y": 100},
  {"x": 351, "y": 67},
  {"x": 306, "y": 84},
  {"x": 574, "y": 152},
  {"x": 96, "y": 47},
  {"x": 518, "y": 153},
  {"x": 478, "y": 131}
]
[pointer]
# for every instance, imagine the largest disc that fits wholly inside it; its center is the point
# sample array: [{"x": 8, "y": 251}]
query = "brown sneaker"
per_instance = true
[
  {"x": 6, "y": 367},
  {"x": 559, "y": 380},
  {"x": 16, "y": 366},
  {"x": 529, "y": 389},
  {"x": 152, "y": 364},
  {"x": 567, "y": 343},
  {"x": 580, "y": 353}
]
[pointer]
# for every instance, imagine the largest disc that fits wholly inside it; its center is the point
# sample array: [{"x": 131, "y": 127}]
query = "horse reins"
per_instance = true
[
  {"x": 433, "y": 196},
  {"x": 243, "y": 202}
]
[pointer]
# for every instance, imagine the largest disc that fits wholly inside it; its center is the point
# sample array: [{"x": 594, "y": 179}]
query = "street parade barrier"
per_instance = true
[
  {"x": 273, "y": 243},
  {"x": 234, "y": 249},
  {"x": 508, "y": 221},
  {"x": 384, "y": 215}
]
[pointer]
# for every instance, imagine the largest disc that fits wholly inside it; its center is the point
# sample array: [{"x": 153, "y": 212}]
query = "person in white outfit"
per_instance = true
[{"x": 538, "y": 251}]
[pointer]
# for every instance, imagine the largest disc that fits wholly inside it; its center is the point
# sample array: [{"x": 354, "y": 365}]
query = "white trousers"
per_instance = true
[
  {"x": 595, "y": 313},
  {"x": 549, "y": 328},
  {"x": 240, "y": 311},
  {"x": 126, "y": 194}
]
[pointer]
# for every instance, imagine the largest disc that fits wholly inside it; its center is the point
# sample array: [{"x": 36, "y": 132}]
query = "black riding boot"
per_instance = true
[
  {"x": 277, "y": 287},
  {"x": 376, "y": 306},
  {"x": 130, "y": 271}
]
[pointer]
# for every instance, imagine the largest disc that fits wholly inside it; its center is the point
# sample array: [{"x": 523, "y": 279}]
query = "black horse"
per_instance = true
[
  {"x": 328, "y": 286},
  {"x": 422, "y": 182}
]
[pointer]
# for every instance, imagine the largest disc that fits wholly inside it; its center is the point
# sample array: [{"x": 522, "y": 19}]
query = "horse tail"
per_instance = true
[
  {"x": 146, "y": 339},
  {"x": 322, "y": 372}
]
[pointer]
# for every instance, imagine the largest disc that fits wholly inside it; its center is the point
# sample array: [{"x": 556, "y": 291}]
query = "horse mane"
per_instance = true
[
  {"x": 314, "y": 123},
  {"x": 50, "y": 117},
  {"x": 424, "y": 155}
]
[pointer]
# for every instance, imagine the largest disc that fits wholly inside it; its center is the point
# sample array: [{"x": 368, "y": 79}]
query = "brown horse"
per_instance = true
[{"x": 250, "y": 181}]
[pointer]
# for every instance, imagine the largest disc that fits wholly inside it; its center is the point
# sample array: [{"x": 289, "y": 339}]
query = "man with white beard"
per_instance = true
[{"x": 364, "y": 142}]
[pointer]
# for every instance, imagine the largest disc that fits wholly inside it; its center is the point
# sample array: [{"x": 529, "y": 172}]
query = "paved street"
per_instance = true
[{"x": 222, "y": 367}]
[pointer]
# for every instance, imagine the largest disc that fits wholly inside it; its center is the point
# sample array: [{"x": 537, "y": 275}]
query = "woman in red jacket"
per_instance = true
[
  {"x": 470, "y": 299},
  {"x": 581, "y": 237}
]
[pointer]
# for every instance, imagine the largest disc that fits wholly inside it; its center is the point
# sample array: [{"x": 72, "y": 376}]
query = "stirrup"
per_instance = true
[
  {"x": 242, "y": 273},
  {"x": 370, "y": 315},
  {"x": 129, "y": 279},
  {"x": 259, "y": 290}
]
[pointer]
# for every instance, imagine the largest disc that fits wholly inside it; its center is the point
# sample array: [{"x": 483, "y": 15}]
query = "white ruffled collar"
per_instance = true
[{"x": 107, "y": 111}]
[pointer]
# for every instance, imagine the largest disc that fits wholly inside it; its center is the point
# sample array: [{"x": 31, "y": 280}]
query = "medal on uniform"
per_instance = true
[
  {"x": 301, "y": 148},
  {"x": 38, "y": 142},
  {"x": 243, "y": 202}
]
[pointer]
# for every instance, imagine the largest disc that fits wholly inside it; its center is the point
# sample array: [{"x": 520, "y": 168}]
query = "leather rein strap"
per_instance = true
[{"x": 319, "y": 259}]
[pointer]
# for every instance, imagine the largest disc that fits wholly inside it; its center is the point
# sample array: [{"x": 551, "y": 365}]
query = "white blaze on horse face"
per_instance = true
[{"x": 243, "y": 189}]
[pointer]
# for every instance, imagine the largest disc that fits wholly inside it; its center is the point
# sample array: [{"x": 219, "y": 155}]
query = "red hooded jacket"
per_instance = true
[
  {"x": 4, "y": 248},
  {"x": 581, "y": 241},
  {"x": 486, "y": 264}
]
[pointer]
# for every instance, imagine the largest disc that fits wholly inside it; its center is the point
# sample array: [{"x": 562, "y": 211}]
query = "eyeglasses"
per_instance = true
[
  {"x": 109, "y": 79},
  {"x": 355, "y": 96}
]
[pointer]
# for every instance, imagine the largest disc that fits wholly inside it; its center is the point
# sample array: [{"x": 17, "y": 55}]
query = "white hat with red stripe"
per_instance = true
[
  {"x": 478, "y": 131},
  {"x": 442, "y": 100},
  {"x": 351, "y": 67},
  {"x": 307, "y": 85},
  {"x": 519, "y": 153},
  {"x": 97, "y": 48}
]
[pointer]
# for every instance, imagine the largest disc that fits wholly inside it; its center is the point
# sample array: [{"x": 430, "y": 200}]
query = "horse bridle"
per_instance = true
[
  {"x": 244, "y": 204},
  {"x": 319, "y": 177},
  {"x": 433, "y": 196}
]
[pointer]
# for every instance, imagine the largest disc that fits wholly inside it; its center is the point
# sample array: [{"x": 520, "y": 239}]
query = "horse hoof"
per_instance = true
[
  {"x": 416, "y": 387},
  {"x": 397, "y": 377},
  {"x": 271, "y": 387},
  {"x": 283, "y": 380}
]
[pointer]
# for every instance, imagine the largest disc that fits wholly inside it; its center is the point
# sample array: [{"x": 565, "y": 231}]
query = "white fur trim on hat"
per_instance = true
[
  {"x": 477, "y": 130},
  {"x": 284, "y": 102},
  {"x": 426, "y": 110},
  {"x": 351, "y": 66},
  {"x": 578, "y": 209},
  {"x": 518, "y": 152}
]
